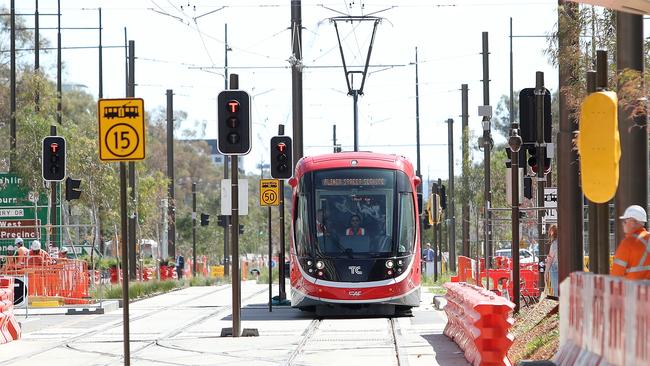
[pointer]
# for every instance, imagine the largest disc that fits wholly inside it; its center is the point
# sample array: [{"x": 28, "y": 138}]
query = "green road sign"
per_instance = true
[{"x": 21, "y": 213}]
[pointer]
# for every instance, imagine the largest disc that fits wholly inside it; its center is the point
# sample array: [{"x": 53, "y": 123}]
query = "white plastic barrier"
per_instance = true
[{"x": 604, "y": 320}]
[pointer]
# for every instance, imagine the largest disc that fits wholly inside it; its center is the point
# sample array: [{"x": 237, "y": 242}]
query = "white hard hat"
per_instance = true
[
  {"x": 635, "y": 212},
  {"x": 18, "y": 240},
  {"x": 64, "y": 250},
  {"x": 36, "y": 245}
]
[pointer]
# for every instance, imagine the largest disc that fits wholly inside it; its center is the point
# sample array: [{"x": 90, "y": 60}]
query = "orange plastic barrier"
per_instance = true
[
  {"x": 63, "y": 278},
  {"x": 9, "y": 328},
  {"x": 479, "y": 322},
  {"x": 466, "y": 270},
  {"x": 604, "y": 320}
]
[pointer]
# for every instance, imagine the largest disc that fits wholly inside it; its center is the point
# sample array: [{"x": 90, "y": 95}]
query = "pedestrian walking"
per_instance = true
[{"x": 551, "y": 274}]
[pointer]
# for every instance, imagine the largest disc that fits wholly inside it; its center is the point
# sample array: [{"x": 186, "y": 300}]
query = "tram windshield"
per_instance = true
[{"x": 356, "y": 213}]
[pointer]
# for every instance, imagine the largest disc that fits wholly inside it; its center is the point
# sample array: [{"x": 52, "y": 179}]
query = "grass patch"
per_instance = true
[
  {"x": 435, "y": 287},
  {"x": 539, "y": 342},
  {"x": 139, "y": 290}
]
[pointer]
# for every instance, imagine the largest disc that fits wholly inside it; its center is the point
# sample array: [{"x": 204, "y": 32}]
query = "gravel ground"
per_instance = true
[{"x": 536, "y": 332}]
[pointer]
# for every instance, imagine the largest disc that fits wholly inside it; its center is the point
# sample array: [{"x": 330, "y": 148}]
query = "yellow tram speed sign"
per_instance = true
[
  {"x": 269, "y": 192},
  {"x": 121, "y": 129}
]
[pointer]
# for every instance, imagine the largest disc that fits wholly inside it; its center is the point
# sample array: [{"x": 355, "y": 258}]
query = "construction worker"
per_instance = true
[
  {"x": 632, "y": 259},
  {"x": 38, "y": 256},
  {"x": 21, "y": 251}
]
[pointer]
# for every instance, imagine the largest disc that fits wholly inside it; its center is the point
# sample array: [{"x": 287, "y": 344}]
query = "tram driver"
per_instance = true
[{"x": 355, "y": 229}]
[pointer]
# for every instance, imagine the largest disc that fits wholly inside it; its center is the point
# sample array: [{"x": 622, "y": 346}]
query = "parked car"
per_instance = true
[{"x": 525, "y": 255}]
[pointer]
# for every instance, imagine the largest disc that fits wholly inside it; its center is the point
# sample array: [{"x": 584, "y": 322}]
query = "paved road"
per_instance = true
[{"x": 183, "y": 328}]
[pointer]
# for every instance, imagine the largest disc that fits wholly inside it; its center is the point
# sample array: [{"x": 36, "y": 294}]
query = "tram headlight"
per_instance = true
[
  {"x": 390, "y": 264},
  {"x": 309, "y": 263},
  {"x": 320, "y": 265}
]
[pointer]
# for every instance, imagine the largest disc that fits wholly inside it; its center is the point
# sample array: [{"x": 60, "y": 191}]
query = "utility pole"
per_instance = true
[
  {"x": 37, "y": 55},
  {"x": 193, "y": 229},
  {"x": 570, "y": 198},
  {"x": 226, "y": 228},
  {"x": 132, "y": 179},
  {"x": 602, "y": 209},
  {"x": 417, "y": 119},
  {"x": 486, "y": 113},
  {"x": 451, "y": 213},
  {"x": 101, "y": 58},
  {"x": 540, "y": 92},
  {"x": 171, "y": 207},
  {"x": 12, "y": 81},
  {"x": 59, "y": 94},
  {"x": 592, "y": 210},
  {"x": 296, "y": 78},
  {"x": 434, "y": 191},
  {"x": 465, "y": 151},
  {"x": 632, "y": 190}
]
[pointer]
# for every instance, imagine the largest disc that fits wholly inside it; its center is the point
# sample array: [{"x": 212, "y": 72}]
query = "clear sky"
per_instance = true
[{"x": 180, "y": 45}]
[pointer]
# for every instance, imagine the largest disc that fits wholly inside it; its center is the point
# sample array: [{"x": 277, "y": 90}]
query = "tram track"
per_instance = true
[{"x": 65, "y": 343}]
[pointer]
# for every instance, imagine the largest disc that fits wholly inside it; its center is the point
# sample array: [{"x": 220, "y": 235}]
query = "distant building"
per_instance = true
[{"x": 216, "y": 157}]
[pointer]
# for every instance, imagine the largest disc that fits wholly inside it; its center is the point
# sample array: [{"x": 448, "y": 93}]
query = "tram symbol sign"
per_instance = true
[
  {"x": 121, "y": 129},
  {"x": 550, "y": 204},
  {"x": 269, "y": 192}
]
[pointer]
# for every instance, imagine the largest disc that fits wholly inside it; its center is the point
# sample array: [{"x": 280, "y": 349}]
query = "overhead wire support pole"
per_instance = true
[
  {"x": 465, "y": 152},
  {"x": 226, "y": 228},
  {"x": 451, "y": 214},
  {"x": 133, "y": 217},
  {"x": 171, "y": 208},
  {"x": 12, "y": 81},
  {"x": 540, "y": 92},
  {"x": 297, "y": 67},
  {"x": 59, "y": 95},
  {"x": 235, "y": 276},
  {"x": 602, "y": 209},
  {"x": 487, "y": 145}
]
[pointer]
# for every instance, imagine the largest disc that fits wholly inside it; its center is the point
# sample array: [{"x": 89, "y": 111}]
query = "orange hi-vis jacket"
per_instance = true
[{"x": 632, "y": 258}]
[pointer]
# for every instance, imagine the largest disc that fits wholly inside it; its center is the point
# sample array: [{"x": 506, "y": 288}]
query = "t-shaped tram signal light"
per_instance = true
[
  {"x": 281, "y": 157},
  {"x": 53, "y": 159},
  {"x": 234, "y": 123}
]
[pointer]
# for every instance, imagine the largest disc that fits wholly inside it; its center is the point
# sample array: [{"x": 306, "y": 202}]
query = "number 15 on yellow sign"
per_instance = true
[{"x": 121, "y": 129}]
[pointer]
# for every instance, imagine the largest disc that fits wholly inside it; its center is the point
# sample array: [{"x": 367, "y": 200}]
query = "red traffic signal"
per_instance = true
[{"x": 281, "y": 157}]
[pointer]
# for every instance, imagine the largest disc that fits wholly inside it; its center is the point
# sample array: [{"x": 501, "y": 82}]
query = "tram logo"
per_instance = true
[
  {"x": 355, "y": 270},
  {"x": 355, "y": 293},
  {"x": 124, "y": 111}
]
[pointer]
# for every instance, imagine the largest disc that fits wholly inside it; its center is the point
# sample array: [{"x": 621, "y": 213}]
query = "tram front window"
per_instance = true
[{"x": 354, "y": 212}]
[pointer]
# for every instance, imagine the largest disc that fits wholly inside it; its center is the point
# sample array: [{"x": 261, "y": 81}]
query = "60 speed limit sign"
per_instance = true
[
  {"x": 121, "y": 129},
  {"x": 269, "y": 192}
]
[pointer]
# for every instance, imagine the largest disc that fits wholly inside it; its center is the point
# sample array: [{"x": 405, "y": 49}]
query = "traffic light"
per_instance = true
[
  {"x": 532, "y": 161},
  {"x": 528, "y": 187},
  {"x": 522, "y": 158},
  {"x": 221, "y": 220},
  {"x": 234, "y": 122},
  {"x": 72, "y": 191},
  {"x": 528, "y": 116},
  {"x": 599, "y": 146},
  {"x": 241, "y": 228},
  {"x": 281, "y": 157},
  {"x": 205, "y": 219},
  {"x": 443, "y": 197},
  {"x": 53, "y": 167}
]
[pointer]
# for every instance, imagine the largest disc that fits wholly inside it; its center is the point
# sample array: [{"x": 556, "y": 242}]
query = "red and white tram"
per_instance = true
[{"x": 355, "y": 234}]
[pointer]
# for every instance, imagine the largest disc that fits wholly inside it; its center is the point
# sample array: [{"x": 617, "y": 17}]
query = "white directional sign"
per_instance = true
[
  {"x": 550, "y": 203},
  {"x": 226, "y": 197}
]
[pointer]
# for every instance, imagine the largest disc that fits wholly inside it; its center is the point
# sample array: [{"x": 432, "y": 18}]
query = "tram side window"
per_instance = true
[
  {"x": 406, "y": 223},
  {"x": 302, "y": 227}
]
